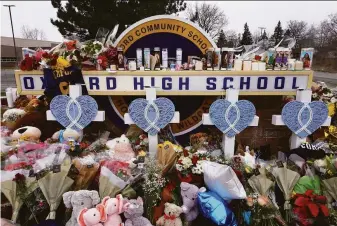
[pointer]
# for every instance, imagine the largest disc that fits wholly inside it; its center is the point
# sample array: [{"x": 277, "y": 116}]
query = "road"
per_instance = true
[{"x": 8, "y": 79}]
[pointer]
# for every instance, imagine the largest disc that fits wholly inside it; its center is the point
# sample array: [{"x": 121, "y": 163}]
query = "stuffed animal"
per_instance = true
[
  {"x": 134, "y": 213},
  {"x": 64, "y": 135},
  {"x": 92, "y": 217},
  {"x": 113, "y": 207},
  {"x": 79, "y": 200},
  {"x": 112, "y": 143},
  {"x": 121, "y": 149},
  {"x": 27, "y": 133},
  {"x": 189, "y": 193},
  {"x": 171, "y": 216}
]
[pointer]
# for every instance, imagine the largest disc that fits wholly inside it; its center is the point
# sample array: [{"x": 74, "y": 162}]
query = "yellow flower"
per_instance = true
[{"x": 142, "y": 153}]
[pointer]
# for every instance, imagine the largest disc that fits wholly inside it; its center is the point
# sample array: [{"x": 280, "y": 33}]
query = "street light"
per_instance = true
[{"x": 10, "y": 15}]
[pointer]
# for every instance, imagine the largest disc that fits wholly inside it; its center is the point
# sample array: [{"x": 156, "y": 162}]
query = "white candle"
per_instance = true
[
  {"x": 238, "y": 65},
  {"x": 14, "y": 94},
  {"x": 9, "y": 99},
  {"x": 262, "y": 66},
  {"x": 255, "y": 66},
  {"x": 247, "y": 65}
]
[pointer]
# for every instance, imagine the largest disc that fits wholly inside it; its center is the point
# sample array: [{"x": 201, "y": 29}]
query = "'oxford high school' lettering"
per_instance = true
[{"x": 178, "y": 83}]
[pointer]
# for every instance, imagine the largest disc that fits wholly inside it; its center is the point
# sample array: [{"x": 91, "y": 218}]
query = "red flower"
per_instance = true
[
  {"x": 103, "y": 61},
  {"x": 19, "y": 177},
  {"x": 309, "y": 205},
  {"x": 171, "y": 186},
  {"x": 71, "y": 45},
  {"x": 45, "y": 55},
  {"x": 185, "y": 152},
  {"x": 137, "y": 142},
  {"x": 195, "y": 159},
  {"x": 180, "y": 161},
  {"x": 185, "y": 178},
  {"x": 257, "y": 57}
]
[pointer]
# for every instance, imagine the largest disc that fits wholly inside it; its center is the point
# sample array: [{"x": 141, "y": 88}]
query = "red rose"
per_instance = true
[
  {"x": 185, "y": 152},
  {"x": 185, "y": 178},
  {"x": 180, "y": 161},
  {"x": 195, "y": 159}
]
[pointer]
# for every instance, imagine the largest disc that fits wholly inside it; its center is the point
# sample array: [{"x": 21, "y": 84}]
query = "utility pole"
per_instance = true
[
  {"x": 261, "y": 29},
  {"x": 10, "y": 15}
]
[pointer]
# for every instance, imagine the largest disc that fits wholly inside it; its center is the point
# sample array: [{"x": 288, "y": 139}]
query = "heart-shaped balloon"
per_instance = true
[
  {"x": 151, "y": 117},
  {"x": 75, "y": 114},
  {"x": 304, "y": 118},
  {"x": 230, "y": 118}
]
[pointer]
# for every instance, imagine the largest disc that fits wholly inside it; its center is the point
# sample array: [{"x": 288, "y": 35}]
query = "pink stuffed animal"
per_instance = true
[
  {"x": 113, "y": 207},
  {"x": 92, "y": 217}
]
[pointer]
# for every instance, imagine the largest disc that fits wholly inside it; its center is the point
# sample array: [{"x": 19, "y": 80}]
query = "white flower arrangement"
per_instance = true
[
  {"x": 186, "y": 162},
  {"x": 11, "y": 115}
]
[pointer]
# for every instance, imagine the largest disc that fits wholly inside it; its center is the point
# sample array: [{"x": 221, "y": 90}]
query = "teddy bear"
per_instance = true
[
  {"x": 189, "y": 193},
  {"x": 171, "y": 216},
  {"x": 92, "y": 217},
  {"x": 64, "y": 135},
  {"x": 120, "y": 149},
  {"x": 113, "y": 207},
  {"x": 134, "y": 213},
  {"x": 79, "y": 200},
  {"x": 27, "y": 133}
]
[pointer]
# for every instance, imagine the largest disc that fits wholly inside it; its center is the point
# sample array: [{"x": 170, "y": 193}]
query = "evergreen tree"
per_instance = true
[
  {"x": 278, "y": 33},
  {"x": 246, "y": 36},
  {"x": 83, "y": 18},
  {"x": 221, "y": 40}
]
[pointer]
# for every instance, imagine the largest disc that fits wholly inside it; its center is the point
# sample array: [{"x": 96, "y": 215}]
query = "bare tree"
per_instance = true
[
  {"x": 232, "y": 38},
  {"x": 256, "y": 36},
  {"x": 297, "y": 29},
  {"x": 209, "y": 17},
  {"x": 32, "y": 33}
]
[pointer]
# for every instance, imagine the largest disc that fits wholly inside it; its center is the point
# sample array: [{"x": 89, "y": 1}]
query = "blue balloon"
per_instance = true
[{"x": 212, "y": 206}]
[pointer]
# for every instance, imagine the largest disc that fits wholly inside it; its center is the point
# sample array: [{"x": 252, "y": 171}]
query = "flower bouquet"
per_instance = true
[
  {"x": 87, "y": 168},
  {"x": 16, "y": 186},
  {"x": 54, "y": 184},
  {"x": 286, "y": 179},
  {"x": 264, "y": 211},
  {"x": 152, "y": 187},
  {"x": 189, "y": 164}
]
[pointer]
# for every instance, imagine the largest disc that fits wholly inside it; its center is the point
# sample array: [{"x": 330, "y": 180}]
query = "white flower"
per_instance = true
[
  {"x": 333, "y": 100},
  {"x": 314, "y": 95},
  {"x": 13, "y": 114},
  {"x": 179, "y": 167},
  {"x": 75, "y": 58},
  {"x": 198, "y": 168},
  {"x": 178, "y": 148},
  {"x": 146, "y": 140},
  {"x": 202, "y": 151},
  {"x": 186, "y": 162}
]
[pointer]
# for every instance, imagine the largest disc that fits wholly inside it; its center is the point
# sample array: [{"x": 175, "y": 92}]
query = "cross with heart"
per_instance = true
[
  {"x": 151, "y": 115},
  {"x": 302, "y": 117},
  {"x": 74, "y": 111},
  {"x": 231, "y": 117}
]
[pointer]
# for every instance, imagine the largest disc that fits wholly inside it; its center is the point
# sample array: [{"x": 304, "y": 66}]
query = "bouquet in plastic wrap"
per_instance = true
[
  {"x": 286, "y": 179},
  {"x": 87, "y": 169},
  {"x": 262, "y": 203},
  {"x": 54, "y": 184},
  {"x": 16, "y": 186}
]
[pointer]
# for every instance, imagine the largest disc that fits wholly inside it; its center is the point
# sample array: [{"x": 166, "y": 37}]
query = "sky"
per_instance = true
[{"x": 37, "y": 14}]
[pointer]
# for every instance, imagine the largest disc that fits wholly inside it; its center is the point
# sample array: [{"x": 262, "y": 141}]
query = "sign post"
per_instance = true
[
  {"x": 153, "y": 139},
  {"x": 228, "y": 143}
]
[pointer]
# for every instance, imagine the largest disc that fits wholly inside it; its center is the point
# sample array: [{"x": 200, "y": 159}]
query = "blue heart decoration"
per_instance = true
[
  {"x": 231, "y": 119},
  {"x": 304, "y": 118},
  {"x": 75, "y": 114},
  {"x": 151, "y": 117}
]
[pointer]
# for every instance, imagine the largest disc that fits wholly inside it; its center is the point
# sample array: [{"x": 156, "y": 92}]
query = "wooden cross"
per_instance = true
[
  {"x": 153, "y": 139},
  {"x": 74, "y": 92},
  {"x": 228, "y": 143},
  {"x": 303, "y": 96}
]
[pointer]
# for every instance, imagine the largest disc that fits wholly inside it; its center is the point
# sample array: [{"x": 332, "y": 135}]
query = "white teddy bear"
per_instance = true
[
  {"x": 64, "y": 135},
  {"x": 120, "y": 142},
  {"x": 171, "y": 216}
]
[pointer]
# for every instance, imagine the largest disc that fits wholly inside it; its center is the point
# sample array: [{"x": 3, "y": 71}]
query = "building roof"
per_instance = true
[{"x": 22, "y": 42}]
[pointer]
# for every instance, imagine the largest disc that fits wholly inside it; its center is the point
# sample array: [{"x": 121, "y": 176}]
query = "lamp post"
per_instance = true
[{"x": 10, "y": 15}]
